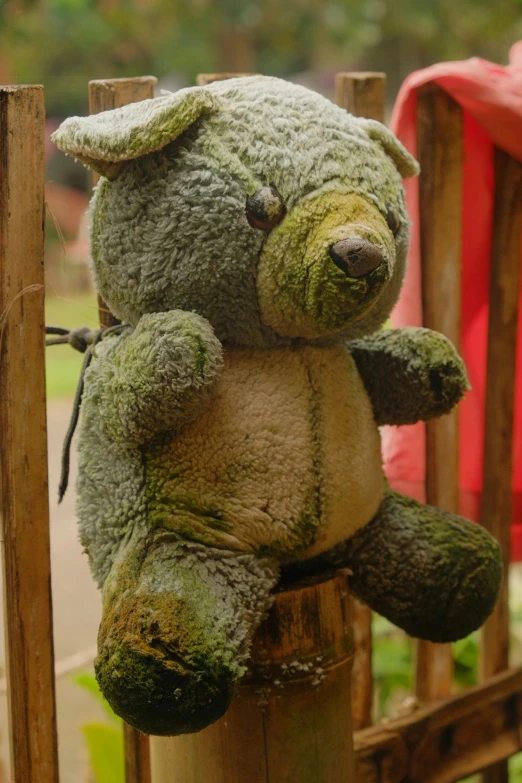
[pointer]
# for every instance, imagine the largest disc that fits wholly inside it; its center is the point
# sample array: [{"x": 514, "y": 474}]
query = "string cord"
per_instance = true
[{"x": 84, "y": 340}]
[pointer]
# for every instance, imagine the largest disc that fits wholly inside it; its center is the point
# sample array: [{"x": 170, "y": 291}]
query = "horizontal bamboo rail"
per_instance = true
[
  {"x": 207, "y": 78},
  {"x": 446, "y": 741}
]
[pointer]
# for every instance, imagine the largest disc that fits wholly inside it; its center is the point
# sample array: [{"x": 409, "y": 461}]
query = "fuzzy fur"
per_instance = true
[
  {"x": 172, "y": 226},
  {"x": 167, "y": 596},
  {"x": 234, "y": 429},
  {"x": 410, "y": 374},
  {"x": 434, "y": 574}
]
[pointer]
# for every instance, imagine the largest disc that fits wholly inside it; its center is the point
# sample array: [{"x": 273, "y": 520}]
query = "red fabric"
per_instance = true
[{"x": 491, "y": 98}]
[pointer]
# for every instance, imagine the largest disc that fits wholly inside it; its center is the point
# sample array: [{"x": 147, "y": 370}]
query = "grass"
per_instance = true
[{"x": 62, "y": 362}]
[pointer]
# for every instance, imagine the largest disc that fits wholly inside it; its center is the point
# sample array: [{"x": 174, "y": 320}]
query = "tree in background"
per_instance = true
[{"x": 63, "y": 43}]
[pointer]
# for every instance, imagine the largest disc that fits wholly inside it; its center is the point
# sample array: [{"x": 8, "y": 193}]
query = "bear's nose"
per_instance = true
[{"x": 356, "y": 257}]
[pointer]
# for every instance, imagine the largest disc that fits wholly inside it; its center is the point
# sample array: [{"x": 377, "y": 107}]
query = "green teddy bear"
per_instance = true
[{"x": 253, "y": 236}]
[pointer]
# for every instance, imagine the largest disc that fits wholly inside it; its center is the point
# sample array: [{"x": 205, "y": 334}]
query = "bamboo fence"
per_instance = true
[{"x": 448, "y": 736}]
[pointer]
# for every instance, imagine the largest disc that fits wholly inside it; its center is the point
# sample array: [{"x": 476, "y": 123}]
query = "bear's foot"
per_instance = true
[
  {"x": 435, "y": 575},
  {"x": 176, "y": 627}
]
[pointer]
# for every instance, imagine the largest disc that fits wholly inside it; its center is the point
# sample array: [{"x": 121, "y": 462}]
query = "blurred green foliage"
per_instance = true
[
  {"x": 104, "y": 740},
  {"x": 63, "y": 43},
  {"x": 63, "y": 363},
  {"x": 392, "y": 663}
]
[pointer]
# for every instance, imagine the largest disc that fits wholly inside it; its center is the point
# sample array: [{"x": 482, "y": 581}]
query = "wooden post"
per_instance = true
[
  {"x": 23, "y": 439},
  {"x": 496, "y": 511},
  {"x": 364, "y": 95},
  {"x": 207, "y": 78},
  {"x": 106, "y": 94},
  {"x": 291, "y": 719},
  {"x": 137, "y": 755},
  {"x": 440, "y": 145}
]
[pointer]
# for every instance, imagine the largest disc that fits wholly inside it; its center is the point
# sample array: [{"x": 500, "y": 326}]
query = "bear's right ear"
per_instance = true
[
  {"x": 406, "y": 164},
  {"x": 104, "y": 141}
]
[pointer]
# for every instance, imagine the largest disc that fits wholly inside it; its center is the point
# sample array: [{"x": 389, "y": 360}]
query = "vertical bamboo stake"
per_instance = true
[
  {"x": 106, "y": 94},
  {"x": 23, "y": 439},
  {"x": 291, "y": 719},
  {"x": 496, "y": 511},
  {"x": 207, "y": 78},
  {"x": 137, "y": 755},
  {"x": 364, "y": 95},
  {"x": 439, "y": 140}
]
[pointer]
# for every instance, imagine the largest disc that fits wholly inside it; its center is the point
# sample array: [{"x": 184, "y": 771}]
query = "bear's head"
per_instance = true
[{"x": 254, "y": 202}]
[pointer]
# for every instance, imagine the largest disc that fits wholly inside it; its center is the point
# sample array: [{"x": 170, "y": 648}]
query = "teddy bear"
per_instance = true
[{"x": 252, "y": 237}]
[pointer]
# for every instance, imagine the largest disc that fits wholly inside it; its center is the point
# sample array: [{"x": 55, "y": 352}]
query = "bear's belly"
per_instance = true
[{"x": 285, "y": 459}]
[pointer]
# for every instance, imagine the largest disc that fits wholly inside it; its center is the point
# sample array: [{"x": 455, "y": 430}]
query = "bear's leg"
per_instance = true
[
  {"x": 177, "y": 622},
  {"x": 434, "y": 574}
]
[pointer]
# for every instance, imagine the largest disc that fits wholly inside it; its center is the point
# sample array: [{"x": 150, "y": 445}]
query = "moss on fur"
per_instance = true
[
  {"x": 136, "y": 403},
  {"x": 176, "y": 628},
  {"x": 301, "y": 292},
  {"x": 410, "y": 374},
  {"x": 170, "y": 232},
  {"x": 434, "y": 574}
]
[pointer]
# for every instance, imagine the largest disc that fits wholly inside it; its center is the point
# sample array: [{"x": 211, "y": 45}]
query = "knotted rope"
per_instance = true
[{"x": 85, "y": 341}]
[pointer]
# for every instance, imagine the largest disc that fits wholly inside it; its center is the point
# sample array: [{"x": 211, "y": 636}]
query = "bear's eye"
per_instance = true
[
  {"x": 392, "y": 218},
  {"x": 265, "y": 209}
]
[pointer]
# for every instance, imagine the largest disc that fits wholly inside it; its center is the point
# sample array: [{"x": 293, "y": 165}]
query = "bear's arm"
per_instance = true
[
  {"x": 410, "y": 374},
  {"x": 156, "y": 378}
]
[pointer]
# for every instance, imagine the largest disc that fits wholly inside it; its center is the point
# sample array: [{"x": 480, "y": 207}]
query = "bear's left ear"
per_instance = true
[
  {"x": 104, "y": 141},
  {"x": 406, "y": 164}
]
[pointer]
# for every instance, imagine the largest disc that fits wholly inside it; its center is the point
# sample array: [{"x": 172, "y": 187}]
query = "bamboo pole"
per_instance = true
[
  {"x": 23, "y": 439},
  {"x": 106, "y": 94},
  {"x": 496, "y": 511},
  {"x": 440, "y": 153},
  {"x": 203, "y": 79},
  {"x": 137, "y": 755},
  {"x": 291, "y": 719},
  {"x": 362, "y": 93}
]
